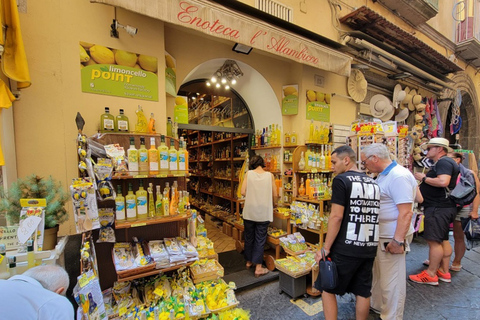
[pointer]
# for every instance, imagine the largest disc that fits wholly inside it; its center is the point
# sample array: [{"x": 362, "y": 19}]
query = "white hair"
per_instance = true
[
  {"x": 51, "y": 277},
  {"x": 376, "y": 149}
]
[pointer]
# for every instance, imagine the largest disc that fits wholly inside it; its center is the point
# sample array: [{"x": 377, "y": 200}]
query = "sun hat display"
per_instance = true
[
  {"x": 406, "y": 98},
  {"x": 410, "y": 104},
  {"x": 357, "y": 86},
  {"x": 381, "y": 107},
  {"x": 420, "y": 107},
  {"x": 439, "y": 142},
  {"x": 402, "y": 115},
  {"x": 398, "y": 95},
  {"x": 417, "y": 99},
  {"x": 418, "y": 118}
]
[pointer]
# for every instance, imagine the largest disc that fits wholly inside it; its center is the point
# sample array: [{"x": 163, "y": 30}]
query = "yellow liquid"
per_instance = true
[
  {"x": 173, "y": 159},
  {"x": 163, "y": 152},
  {"x": 142, "y": 203},
  {"x": 131, "y": 205},
  {"x": 153, "y": 160},
  {"x": 141, "y": 125},
  {"x": 143, "y": 160},
  {"x": 120, "y": 207}
]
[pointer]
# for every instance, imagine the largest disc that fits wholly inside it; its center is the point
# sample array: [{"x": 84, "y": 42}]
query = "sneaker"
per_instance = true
[
  {"x": 424, "y": 278},
  {"x": 445, "y": 277}
]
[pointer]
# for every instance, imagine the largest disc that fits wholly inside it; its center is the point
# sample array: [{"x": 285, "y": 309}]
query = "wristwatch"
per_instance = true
[
  {"x": 424, "y": 178},
  {"x": 398, "y": 242}
]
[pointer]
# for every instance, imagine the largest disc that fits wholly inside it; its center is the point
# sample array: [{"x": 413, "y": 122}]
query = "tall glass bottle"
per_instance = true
[
  {"x": 131, "y": 202},
  {"x": 143, "y": 157},
  {"x": 107, "y": 121},
  {"x": 121, "y": 122},
  {"x": 151, "y": 202},
  {"x": 166, "y": 203},
  {"x": 142, "y": 202},
  {"x": 158, "y": 203},
  {"x": 163, "y": 152},
  {"x": 30, "y": 254},
  {"x": 172, "y": 157},
  {"x": 151, "y": 124},
  {"x": 119, "y": 205},
  {"x": 182, "y": 158},
  {"x": 3, "y": 262},
  {"x": 153, "y": 162},
  {"x": 169, "y": 127},
  {"x": 132, "y": 156},
  {"x": 141, "y": 125}
]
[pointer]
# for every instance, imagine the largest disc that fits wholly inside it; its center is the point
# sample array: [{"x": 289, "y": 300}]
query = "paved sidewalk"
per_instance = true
[{"x": 457, "y": 300}]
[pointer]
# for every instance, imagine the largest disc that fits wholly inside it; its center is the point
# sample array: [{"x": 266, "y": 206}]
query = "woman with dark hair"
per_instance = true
[{"x": 259, "y": 190}]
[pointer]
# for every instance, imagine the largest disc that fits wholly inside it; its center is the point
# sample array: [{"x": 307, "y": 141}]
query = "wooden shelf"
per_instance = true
[
  {"x": 312, "y": 200},
  {"x": 280, "y": 216},
  {"x": 239, "y": 159},
  {"x": 222, "y": 178},
  {"x": 240, "y": 137},
  {"x": 320, "y": 232},
  {"x": 316, "y": 171},
  {"x": 265, "y": 148},
  {"x": 150, "y": 221},
  {"x": 223, "y": 197},
  {"x": 290, "y": 146},
  {"x": 154, "y": 272},
  {"x": 135, "y": 175},
  {"x": 287, "y": 162}
]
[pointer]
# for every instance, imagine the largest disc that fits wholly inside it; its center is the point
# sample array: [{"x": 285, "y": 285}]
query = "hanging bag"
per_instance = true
[
  {"x": 472, "y": 232},
  {"x": 327, "y": 274}
]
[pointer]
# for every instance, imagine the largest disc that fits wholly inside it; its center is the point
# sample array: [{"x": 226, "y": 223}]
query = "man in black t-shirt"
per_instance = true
[
  {"x": 352, "y": 235},
  {"x": 439, "y": 211}
]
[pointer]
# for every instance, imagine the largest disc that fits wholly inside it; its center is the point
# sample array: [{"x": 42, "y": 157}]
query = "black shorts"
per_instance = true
[
  {"x": 437, "y": 223},
  {"x": 354, "y": 275}
]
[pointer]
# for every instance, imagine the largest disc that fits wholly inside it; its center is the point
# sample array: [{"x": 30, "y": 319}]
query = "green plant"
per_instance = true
[{"x": 35, "y": 187}]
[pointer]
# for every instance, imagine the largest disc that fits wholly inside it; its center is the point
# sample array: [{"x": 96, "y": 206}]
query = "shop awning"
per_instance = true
[{"x": 218, "y": 21}]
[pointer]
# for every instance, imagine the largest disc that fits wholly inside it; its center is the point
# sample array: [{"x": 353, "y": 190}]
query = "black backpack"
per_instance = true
[{"x": 465, "y": 190}]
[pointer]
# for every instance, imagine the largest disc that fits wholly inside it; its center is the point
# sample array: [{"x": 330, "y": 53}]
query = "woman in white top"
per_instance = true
[{"x": 259, "y": 190}]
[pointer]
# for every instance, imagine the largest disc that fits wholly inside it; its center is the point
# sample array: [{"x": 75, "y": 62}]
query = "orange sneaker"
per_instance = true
[
  {"x": 445, "y": 277},
  {"x": 424, "y": 278}
]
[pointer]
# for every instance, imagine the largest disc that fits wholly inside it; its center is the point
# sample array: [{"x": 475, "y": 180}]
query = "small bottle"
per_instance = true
[
  {"x": 107, "y": 121},
  {"x": 169, "y": 127},
  {"x": 3, "y": 262},
  {"x": 294, "y": 138},
  {"x": 142, "y": 157},
  {"x": 151, "y": 125},
  {"x": 153, "y": 157},
  {"x": 287, "y": 139},
  {"x": 141, "y": 125},
  {"x": 163, "y": 153},
  {"x": 172, "y": 157},
  {"x": 120, "y": 205},
  {"x": 151, "y": 202},
  {"x": 158, "y": 203},
  {"x": 142, "y": 202},
  {"x": 132, "y": 156},
  {"x": 12, "y": 266},
  {"x": 121, "y": 122},
  {"x": 301, "y": 163},
  {"x": 30, "y": 254},
  {"x": 166, "y": 203},
  {"x": 301, "y": 189},
  {"x": 131, "y": 201}
]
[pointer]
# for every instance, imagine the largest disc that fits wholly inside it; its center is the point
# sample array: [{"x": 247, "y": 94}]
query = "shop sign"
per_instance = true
[
  {"x": 290, "y": 99},
  {"x": 180, "y": 111},
  {"x": 318, "y": 106},
  {"x": 8, "y": 237},
  {"x": 218, "y": 21},
  {"x": 119, "y": 73}
]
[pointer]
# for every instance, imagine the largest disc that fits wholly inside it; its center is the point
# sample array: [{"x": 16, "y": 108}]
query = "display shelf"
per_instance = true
[
  {"x": 205, "y": 191},
  {"x": 320, "y": 232},
  {"x": 242, "y": 136},
  {"x": 268, "y": 147},
  {"x": 241, "y": 114},
  {"x": 314, "y": 171},
  {"x": 154, "y": 272},
  {"x": 287, "y": 162},
  {"x": 319, "y": 201},
  {"x": 223, "y": 197},
  {"x": 130, "y": 175},
  {"x": 222, "y": 178},
  {"x": 150, "y": 221},
  {"x": 238, "y": 159},
  {"x": 290, "y": 146}
]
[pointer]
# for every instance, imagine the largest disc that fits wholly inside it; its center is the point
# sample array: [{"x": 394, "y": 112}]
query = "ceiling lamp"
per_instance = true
[{"x": 226, "y": 75}]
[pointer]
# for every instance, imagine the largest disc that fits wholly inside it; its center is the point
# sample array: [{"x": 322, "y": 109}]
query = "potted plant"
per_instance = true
[{"x": 36, "y": 187}]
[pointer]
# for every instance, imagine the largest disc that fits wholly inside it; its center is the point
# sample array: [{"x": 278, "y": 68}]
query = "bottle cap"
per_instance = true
[
  {"x": 12, "y": 261},
  {"x": 107, "y": 109},
  {"x": 121, "y": 111},
  {"x": 132, "y": 140},
  {"x": 152, "y": 141},
  {"x": 29, "y": 245}
]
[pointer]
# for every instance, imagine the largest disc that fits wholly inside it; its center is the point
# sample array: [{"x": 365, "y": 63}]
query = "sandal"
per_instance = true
[
  {"x": 455, "y": 268},
  {"x": 426, "y": 262},
  {"x": 249, "y": 265},
  {"x": 262, "y": 273}
]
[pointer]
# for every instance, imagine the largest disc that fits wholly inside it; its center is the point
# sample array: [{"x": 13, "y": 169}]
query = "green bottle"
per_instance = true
[{"x": 107, "y": 121}]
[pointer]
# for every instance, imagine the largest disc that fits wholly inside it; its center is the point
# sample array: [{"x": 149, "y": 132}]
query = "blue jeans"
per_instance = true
[{"x": 255, "y": 238}]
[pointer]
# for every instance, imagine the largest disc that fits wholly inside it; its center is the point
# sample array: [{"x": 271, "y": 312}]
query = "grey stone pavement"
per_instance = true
[{"x": 458, "y": 300}]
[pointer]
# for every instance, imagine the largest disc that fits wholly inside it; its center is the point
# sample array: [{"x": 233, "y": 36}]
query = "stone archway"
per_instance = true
[{"x": 469, "y": 111}]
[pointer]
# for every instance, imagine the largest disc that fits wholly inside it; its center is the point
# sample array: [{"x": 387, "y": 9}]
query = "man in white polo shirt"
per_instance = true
[{"x": 397, "y": 194}]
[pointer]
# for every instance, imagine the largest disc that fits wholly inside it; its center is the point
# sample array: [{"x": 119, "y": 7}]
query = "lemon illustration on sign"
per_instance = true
[
  {"x": 311, "y": 95},
  {"x": 290, "y": 91},
  {"x": 147, "y": 63},
  {"x": 179, "y": 101},
  {"x": 327, "y": 98},
  {"x": 86, "y": 45},
  {"x": 125, "y": 58},
  {"x": 102, "y": 54},
  {"x": 90, "y": 62},
  {"x": 169, "y": 61},
  {"x": 320, "y": 96},
  {"x": 84, "y": 57}
]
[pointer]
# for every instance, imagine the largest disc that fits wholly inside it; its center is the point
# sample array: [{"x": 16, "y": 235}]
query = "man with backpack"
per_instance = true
[{"x": 440, "y": 211}]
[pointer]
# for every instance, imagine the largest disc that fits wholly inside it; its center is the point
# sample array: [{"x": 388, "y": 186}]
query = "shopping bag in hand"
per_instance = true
[
  {"x": 471, "y": 228},
  {"x": 327, "y": 274}
]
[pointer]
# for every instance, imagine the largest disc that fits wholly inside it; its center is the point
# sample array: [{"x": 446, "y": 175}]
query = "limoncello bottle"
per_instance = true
[
  {"x": 143, "y": 157},
  {"x": 132, "y": 156},
  {"x": 142, "y": 202},
  {"x": 131, "y": 202},
  {"x": 151, "y": 202},
  {"x": 107, "y": 121},
  {"x": 182, "y": 158},
  {"x": 141, "y": 125},
  {"x": 322, "y": 159},
  {"x": 151, "y": 124},
  {"x": 169, "y": 127},
  {"x": 119, "y": 205},
  {"x": 166, "y": 203},
  {"x": 172, "y": 157},
  {"x": 163, "y": 152},
  {"x": 153, "y": 157},
  {"x": 158, "y": 203},
  {"x": 121, "y": 122}
]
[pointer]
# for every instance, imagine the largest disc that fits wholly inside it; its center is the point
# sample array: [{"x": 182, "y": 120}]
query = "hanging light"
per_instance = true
[{"x": 227, "y": 74}]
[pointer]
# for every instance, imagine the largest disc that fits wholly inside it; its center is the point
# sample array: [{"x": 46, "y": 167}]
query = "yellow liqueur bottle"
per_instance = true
[
  {"x": 163, "y": 152},
  {"x": 142, "y": 157},
  {"x": 142, "y": 203},
  {"x": 151, "y": 202},
  {"x": 131, "y": 202},
  {"x": 158, "y": 203},
  {"x": 166, "y": 203},
  {"x": 141, "y": 125},
  {"x": 121, "y": 122},
  {"x": 107, "y": 121},
  {"x": 119, "y": 205},
  {"x": 182, "y": 158},
  {"x": 132, "y": 157},
  {"x": 169, "y": 127},
  {"x": 153, "y": 162},
  {"x": 30, "y": 254},
  {"x": 172, "y": 157},
  {"x": 151, "y": 124}
]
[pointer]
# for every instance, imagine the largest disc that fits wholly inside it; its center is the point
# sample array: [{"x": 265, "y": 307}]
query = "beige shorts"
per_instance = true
[{"x": 464, "y": 213}]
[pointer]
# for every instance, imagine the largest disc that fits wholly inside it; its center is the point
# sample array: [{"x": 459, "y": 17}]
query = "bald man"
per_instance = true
[{"x": 38, "y": 293}]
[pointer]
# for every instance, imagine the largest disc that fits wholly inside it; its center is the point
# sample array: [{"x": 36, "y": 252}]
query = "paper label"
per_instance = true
[{"x": 27, "y": 228}]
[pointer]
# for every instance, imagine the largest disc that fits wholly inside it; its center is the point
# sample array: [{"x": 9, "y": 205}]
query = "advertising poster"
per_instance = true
[
  {"x": 170, "y": 75},
  {"x": 119, "y": 73},
  {"x": 290, "y": 99},
  {"x": 180, "y": 112},
  {"x": 318, "y": 106}
]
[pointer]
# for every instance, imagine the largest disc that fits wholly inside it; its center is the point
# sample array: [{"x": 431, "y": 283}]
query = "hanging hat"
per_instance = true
[
  {"x": 357, "y": 86},
  {"x": 402, "y": 115},
  {"x": 411, "y": 94},
  {"x": 420, "y": 107},
  {"x": 418, "y": 118},
  {"x": 439, "y": 142},
  {"x": 407, "y": 97},
  {"x": 398, "y": 95},
  {"x": 381, "y": 107},
  {"x": 416, "y": 99}
]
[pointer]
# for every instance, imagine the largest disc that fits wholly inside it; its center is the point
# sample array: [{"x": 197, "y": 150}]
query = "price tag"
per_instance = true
[
  {"x": 27, "y": 228},
  {"x": 141, "y": 224},
  {"x": 162, "y": 175},
  {"x": 122, "y": 311}
]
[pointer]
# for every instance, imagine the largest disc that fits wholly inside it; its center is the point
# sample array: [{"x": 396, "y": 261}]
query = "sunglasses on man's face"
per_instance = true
[{"x": 428, "y": 149}]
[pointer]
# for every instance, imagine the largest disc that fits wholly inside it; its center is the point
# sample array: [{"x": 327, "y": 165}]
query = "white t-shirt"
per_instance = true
[
  {"x": 397, "y": 186},
  {"x": 258, "y": 199},
  {"x": 22, "y": 297}
]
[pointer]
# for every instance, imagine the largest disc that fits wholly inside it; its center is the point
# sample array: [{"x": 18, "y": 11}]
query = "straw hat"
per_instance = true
[
  {"x": 402, "y": 115},
  {"x": 420, "y": 107},
  {"x": 418, "y": 118},
  {"x": 357, "y": 86},
  {"x": 417, "y": 99},
  {"x": 381, "y": 107},
  {"x": 410, "y": 96},
  {"x": 439, "y": 142}
]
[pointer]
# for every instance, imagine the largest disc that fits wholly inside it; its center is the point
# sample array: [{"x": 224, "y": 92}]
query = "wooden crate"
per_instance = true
[
  {"x": 210, "y": 275},
  {"x": 235, "y": 233},
  {"x": 228, "y": 229}
]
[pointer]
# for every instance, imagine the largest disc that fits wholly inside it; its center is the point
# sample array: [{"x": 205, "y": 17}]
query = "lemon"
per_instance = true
[
  {"x": 86, "y": 45},
  {"x": 311, "y": 96},
  {"x": 289, "y": 91},
  {"x": 320, "y": 96},
  {"x": 148, "y": 63},
  {"x": 180, "y": 101},
  {"x": 170, "y": 63},
  {"x": 102, "y": 54},
  {"x": 84, "y": 57},
  {"x": 125, "y": 58}
]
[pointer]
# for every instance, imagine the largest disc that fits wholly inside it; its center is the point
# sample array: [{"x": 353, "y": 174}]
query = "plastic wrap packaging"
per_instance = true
[
  {"x": 103, "y": 171},
  {"x": 107, "y": 219},
  {"x": 123, "y": 256}
]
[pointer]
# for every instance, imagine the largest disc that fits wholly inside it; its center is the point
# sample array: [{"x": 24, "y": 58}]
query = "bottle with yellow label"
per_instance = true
[
  {"x": 151, "y": 202},
  {"x": 107, "y": 121},
  {"x": 172, "y": 157},
  {"x": 142, "y": 157},
  {"x": 131, "y": 202},
  {"x": 163, "y": 153},
  {"x": 121, "y": 122},
  {"x": 132, "y": 157},
  {"x": 141, "y": 125},
  {"x": 166, "y": 203},
  {"x": 119, "y": 205},
  {"x": 142, "y": 203},
  {"x": 153, "y": 157}
]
